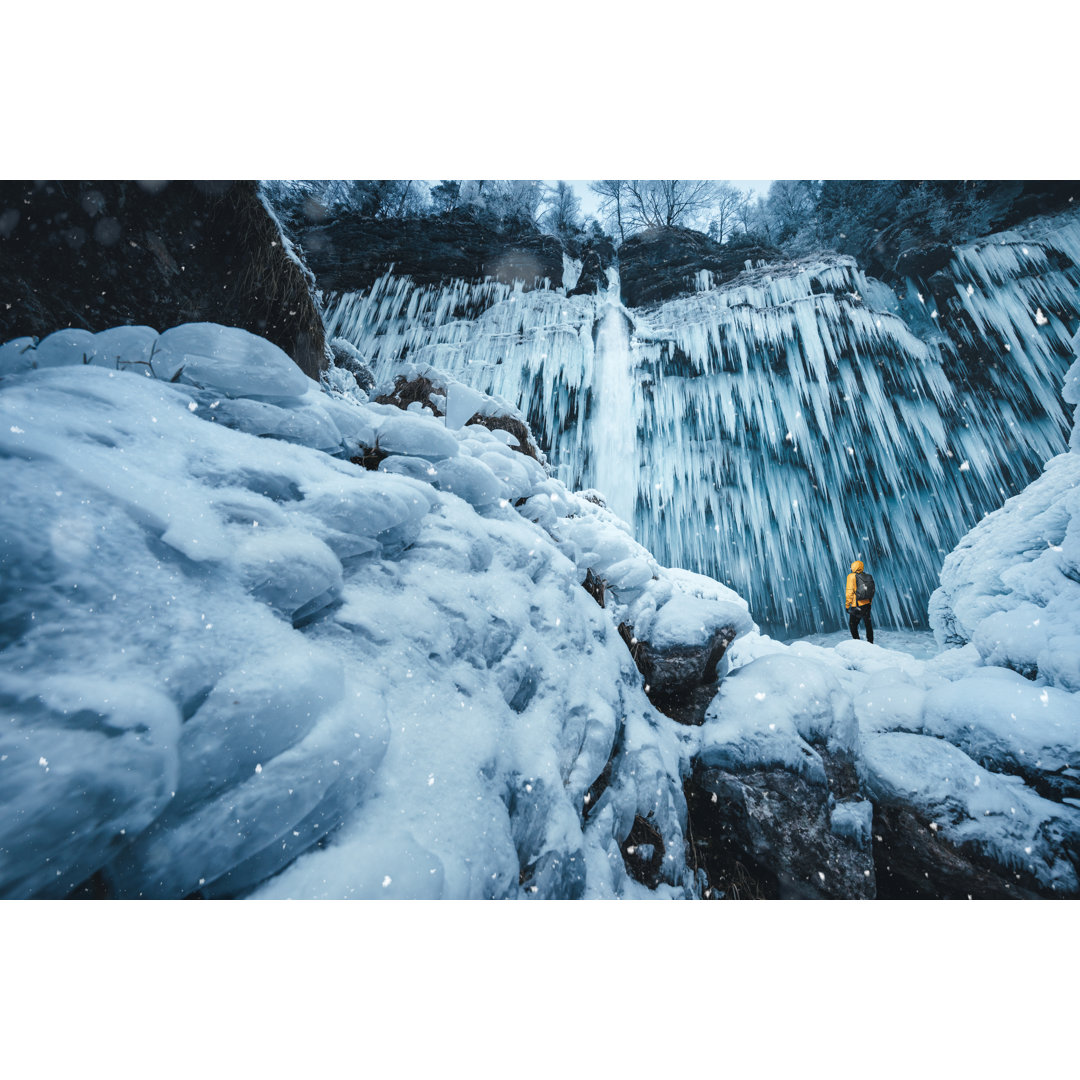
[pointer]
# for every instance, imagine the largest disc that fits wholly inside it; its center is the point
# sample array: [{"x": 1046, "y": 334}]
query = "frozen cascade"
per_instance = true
[
  {"x": 789, "y": 420},
  {"x": 613, "y": 433}
]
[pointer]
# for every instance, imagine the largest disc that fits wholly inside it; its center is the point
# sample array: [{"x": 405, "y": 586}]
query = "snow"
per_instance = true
[
  {"x": 769, "y": 711},
  {"x": 416, "y": 435},
  {"x": 254, "y": 668},
  {"x": 228, "y": 361},
  {"x": 992, "y": 813}
]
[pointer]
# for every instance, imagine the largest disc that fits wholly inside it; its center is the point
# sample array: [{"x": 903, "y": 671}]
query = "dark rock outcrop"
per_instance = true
[
  {"x": 526, "y": 443},
  {"x": 349, "y": 254},
  {"x": 420, "y": 389},
  {"x": 595, "y": 260},
  {"x": 922, "y": 262},
  {"x": 680, "y": 680},
  {"x": 658, "y": 264},
  {"x": 97, "y": 254},
  {"x": 770, "y": 834},
  {"x": 347, "y": 358},
  {"x": 914, "y": 862}
]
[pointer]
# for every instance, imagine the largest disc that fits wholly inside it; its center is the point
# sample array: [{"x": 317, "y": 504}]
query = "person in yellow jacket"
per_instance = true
[{"x": 858, "y": 609}]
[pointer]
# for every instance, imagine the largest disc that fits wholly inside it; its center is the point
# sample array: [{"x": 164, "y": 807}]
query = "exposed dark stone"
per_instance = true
[
  {"x": 407, "y": 391},
  {"x": 766, "y": 833},
  {"x": 595, "y": 587},
  {"x": 350, "y": 361},
  {"x": 370, "y": 458},
  {"x": 643, "y": 853},
  {"x": 526, "y": 444},
  {"x": 915, "y": 862},
  {"x": 97, "y": 254},
  {"x": 95, "y": 887},
  {"x": 594, "y": 263},
  {"x": 349, "y": 254},
  {"x": 923, "y": 261},
  {"x": 658, "y": 264},
  {"x": 680, "y": 681}
]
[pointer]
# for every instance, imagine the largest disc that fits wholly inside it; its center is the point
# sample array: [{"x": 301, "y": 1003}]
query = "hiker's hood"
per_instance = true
[{"x": 856, "y": 567}]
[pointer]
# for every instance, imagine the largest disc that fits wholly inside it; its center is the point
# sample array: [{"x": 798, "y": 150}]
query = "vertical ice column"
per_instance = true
[{"x": 614, "y": 428}]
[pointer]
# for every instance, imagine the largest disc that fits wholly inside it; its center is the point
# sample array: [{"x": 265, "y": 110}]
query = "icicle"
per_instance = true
[{"x": 768, "y": 430}]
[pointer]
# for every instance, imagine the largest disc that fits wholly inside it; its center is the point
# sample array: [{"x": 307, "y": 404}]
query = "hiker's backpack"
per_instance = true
[{"x": 864, "y": 586}]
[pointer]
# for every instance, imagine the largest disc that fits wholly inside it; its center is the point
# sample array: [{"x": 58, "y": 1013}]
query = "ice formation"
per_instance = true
[
  {"x": 780, "y": 424},
  {"x": 224, "y": 643},
  {"x": 1012, "y": 586}
]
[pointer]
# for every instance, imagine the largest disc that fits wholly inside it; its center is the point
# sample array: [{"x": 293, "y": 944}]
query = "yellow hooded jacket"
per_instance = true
[{"x": 850, "y": 602}]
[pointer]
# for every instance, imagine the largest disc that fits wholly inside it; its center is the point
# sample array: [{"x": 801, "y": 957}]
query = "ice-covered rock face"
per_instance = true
[
  {"x": 1012, "y": 586},
  {"x": 778, "y": 425},
  {"x": 241, "y": 665}
]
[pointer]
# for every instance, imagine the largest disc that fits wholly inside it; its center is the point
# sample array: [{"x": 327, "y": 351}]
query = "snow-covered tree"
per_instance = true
[{"x": 563, "y": 214}]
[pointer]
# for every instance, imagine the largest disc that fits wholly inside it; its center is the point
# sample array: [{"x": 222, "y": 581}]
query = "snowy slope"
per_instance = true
[{"x": 228, "y": 651}]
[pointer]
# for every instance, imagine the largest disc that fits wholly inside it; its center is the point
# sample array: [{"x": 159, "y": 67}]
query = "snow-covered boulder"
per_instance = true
[
  {"x": 926, "y": 788},
  {"x": 228, "y": 361},
  {"x": 773, "y": 787}
]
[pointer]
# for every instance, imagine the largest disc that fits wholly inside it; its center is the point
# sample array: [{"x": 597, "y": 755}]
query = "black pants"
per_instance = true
[{"x": 857, "y": 613}]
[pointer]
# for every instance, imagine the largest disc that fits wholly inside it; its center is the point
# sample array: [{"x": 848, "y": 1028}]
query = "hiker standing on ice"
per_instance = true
[{"x": 860, "y": 593}]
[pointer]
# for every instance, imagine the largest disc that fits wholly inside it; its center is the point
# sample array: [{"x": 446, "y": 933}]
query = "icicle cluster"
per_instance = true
[{"x": 769, "y": 430}]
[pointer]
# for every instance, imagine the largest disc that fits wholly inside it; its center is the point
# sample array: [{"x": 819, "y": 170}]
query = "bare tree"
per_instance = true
[
  {"x": 749, "y": 215},
  {"x": 727, "y": 202},
  {"x": 611, "y": 203},
  {"x": 503, "y": 202},
  {"x": 665, "y": 203}
]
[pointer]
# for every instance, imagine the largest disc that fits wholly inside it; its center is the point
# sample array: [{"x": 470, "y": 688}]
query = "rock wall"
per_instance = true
[
  {"x": 97, "y": 254},
  {"x": 350, "y": 254}
]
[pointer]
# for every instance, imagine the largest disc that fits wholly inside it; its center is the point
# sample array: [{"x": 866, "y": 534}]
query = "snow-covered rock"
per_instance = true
[
  {"x": 1012, "y": 586},
  {"x": 241, "y": 665}
]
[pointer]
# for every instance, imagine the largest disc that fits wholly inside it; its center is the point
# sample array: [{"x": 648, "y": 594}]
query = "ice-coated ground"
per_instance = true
[{"x": 918, "y": 643}]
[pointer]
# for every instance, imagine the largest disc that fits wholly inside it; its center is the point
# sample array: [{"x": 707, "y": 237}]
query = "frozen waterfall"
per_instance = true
[
  {"x": 769, "y": 429},
  {"x": 614, "y": 422}
]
